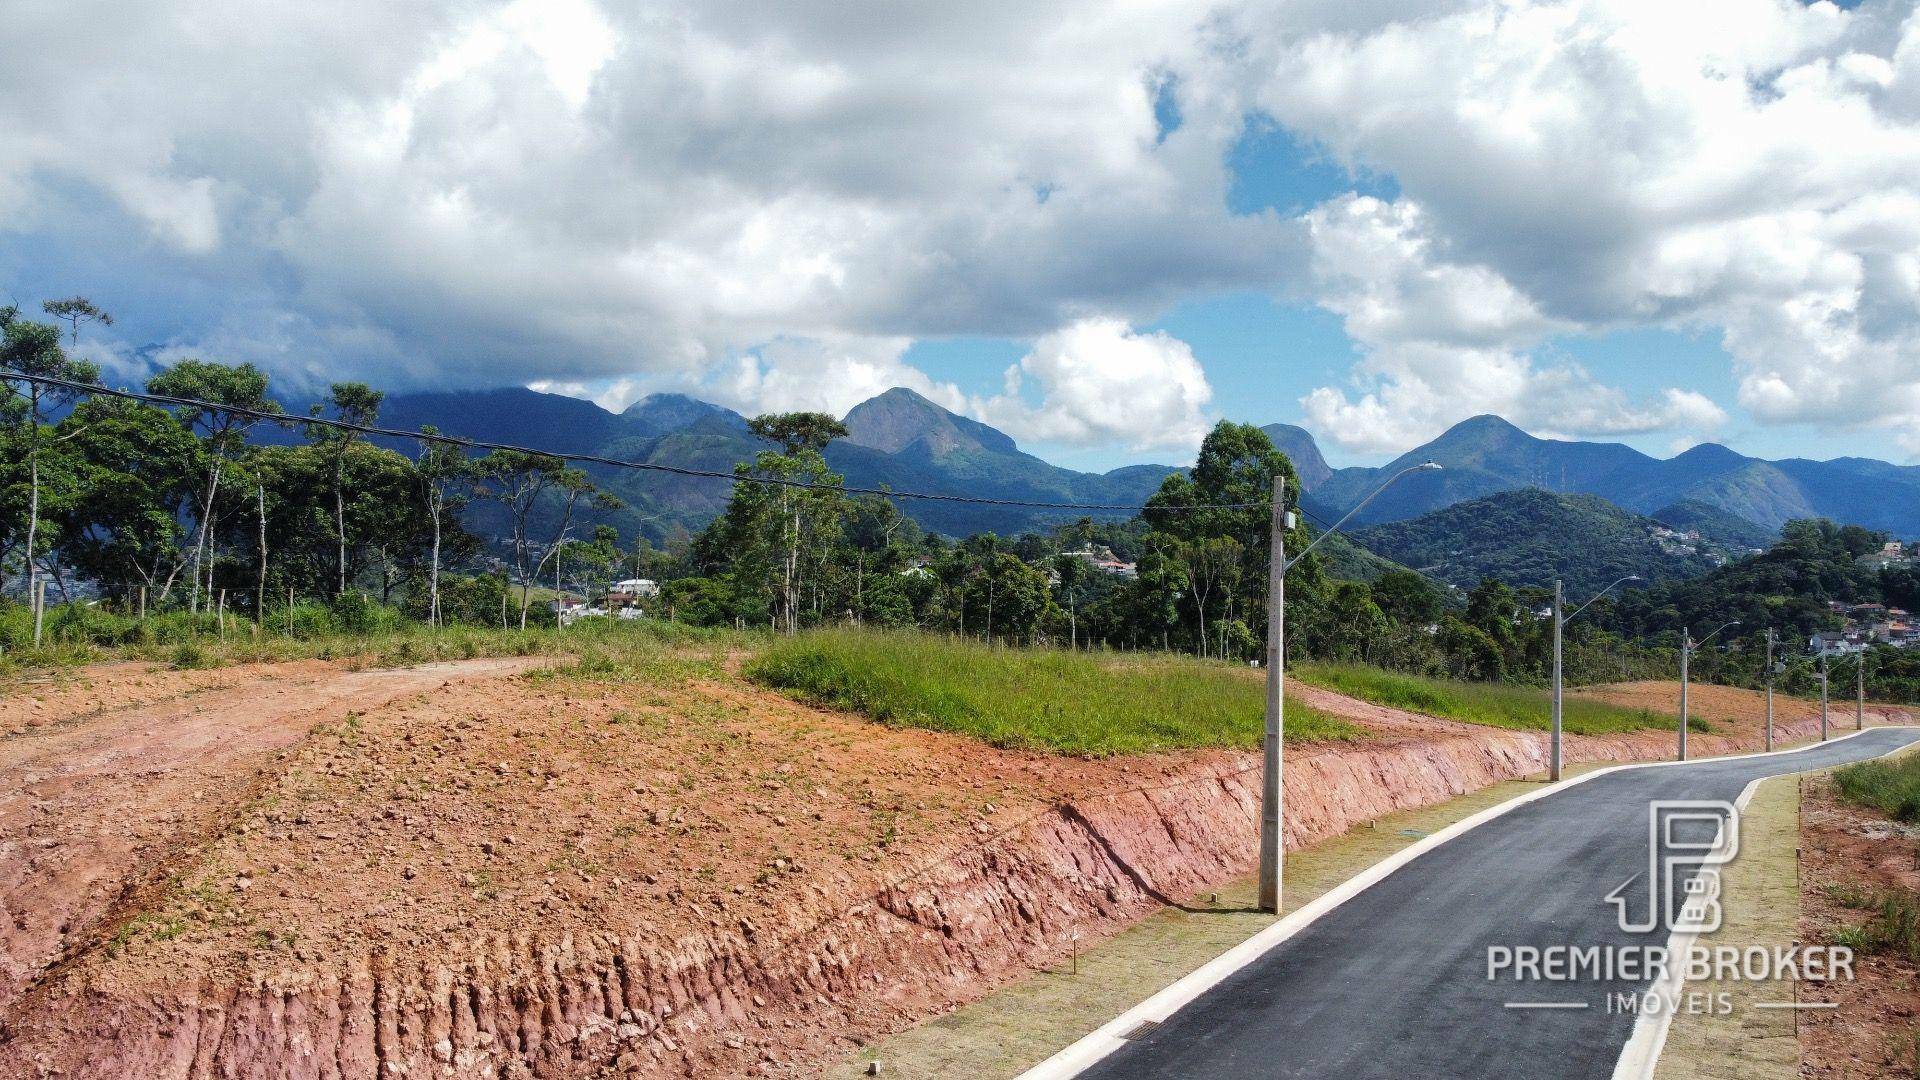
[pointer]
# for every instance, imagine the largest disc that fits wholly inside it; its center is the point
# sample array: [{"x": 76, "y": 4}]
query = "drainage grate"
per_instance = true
[{"x": 1141, "y": 1030}]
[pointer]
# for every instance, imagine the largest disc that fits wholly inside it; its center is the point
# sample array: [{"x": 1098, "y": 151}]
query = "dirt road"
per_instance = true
[{"x": 99, "y": 805}]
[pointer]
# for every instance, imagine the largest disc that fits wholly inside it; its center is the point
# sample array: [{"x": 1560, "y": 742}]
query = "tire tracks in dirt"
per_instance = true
[{"x": 99, "y": 810}]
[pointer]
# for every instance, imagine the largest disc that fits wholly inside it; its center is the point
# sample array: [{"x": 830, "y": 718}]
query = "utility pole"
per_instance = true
[
  {"x": 1823, "y": 695},
  {"x": 1560, "y": 619},
  {"x": 1559, "y": 624},
  {"x": 1686, "y": 652},
  {"x": 1687, "y": 647},
  {"x": 1270, "y": 786},
  {"x": 1860, "y": 693},
  {"x": 1769, "y": 688}
]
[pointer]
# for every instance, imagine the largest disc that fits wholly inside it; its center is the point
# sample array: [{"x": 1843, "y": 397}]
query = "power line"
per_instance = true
[
  {"x": 591, "y": 459},
  {"x": 1445, "y": 586}
]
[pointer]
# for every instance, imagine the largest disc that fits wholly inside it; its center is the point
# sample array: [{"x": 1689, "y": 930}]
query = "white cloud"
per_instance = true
[
  {"x": 1445, "y": 339},
  {"x": 1101, "y": 382},
  {"x": 771, "y": 199},
  {"x": 830, "y": 376},
  {"x": 581, "y": 192},
  {"x": 1748, "y": 166}
]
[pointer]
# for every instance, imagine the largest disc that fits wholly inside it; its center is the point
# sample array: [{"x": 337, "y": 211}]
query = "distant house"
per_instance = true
[
  {"x": 1837, "y": 643},
  {"x": 637, "y": 586},
  {"x": 625, "y": 595},
  {"x": 1891, "y": 553},
  {"x": 1103, "y": 560}
]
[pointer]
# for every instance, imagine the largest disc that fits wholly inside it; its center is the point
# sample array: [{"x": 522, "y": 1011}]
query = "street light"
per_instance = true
[
  {"x": 1687, "y": 647},
  {"x": 1823, "y": 695},
  {"x": 1559, "y": 624},
  {"x": 1860, "y": 690},
  {"x": 1277, "y": 566},
  {"x": 1772, "y": 670}
]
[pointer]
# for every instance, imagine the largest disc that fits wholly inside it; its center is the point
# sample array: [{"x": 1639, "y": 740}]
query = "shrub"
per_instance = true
[
  {"x": 1891, "y": 787},
  {"x": 1893, "y": 928}
]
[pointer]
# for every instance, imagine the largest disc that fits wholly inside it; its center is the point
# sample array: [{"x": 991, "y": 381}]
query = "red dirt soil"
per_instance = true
[
  {"x": 1873, "y": 1032},
  {"x": 545, "y": 875}
]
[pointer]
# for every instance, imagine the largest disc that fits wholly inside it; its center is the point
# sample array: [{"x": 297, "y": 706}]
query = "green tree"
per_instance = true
[
  {"x": 1407, "y": 597},
  {"x": 74, "y": 311},
  {"x": 441, "y": 471},
  {"x": 798, "y": 431},
  {"x": 876, "y": 536},
  {"x": 133, "y": 470},
  {"x": 1470, "y": 652},
  {"x": 1011, "y": 597},
  {"x": 1229, "y": 494},
  {"x": 355, "y": 404},
  {"x": 1070, "y": 573},
  {"x": 32, "y": 348},
  {"x": 223, "y": 433},
  {"x": 518, "y": 481},
  {"x": 1209, "y": 565},
  {"x": 775, "y": 539}
]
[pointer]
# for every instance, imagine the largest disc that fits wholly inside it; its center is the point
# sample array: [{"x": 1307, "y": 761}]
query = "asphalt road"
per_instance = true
[{"x": 1393, "y": 983}]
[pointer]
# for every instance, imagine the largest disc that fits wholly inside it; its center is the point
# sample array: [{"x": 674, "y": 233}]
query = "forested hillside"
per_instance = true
[{"x": 1529, "y": 538}]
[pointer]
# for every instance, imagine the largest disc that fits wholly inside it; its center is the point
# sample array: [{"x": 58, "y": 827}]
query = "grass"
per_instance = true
[
  {"x": 1492, "y": 704},
  {"x": 1893, "y": 927},
  {"x": 1044, "y": 699},
  {"x": 599, "y": 648},
  {"x": 1889, "y": 786}
]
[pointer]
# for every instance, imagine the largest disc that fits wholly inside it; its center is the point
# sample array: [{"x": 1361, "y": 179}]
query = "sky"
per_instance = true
[{"x": 1099, "y": 226}]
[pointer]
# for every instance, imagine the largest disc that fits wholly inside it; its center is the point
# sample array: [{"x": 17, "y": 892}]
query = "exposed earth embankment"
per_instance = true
[{"x": 476, "y": 872}]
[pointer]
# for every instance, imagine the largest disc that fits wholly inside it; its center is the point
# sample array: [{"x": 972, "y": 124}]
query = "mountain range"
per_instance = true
[
  {"x": 898, "y": 440},
  {"x": 903, "y": 441},
  {"x": 1485, "y": 454}
]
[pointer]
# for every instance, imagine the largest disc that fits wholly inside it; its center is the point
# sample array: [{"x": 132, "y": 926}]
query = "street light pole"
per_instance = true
[
  {"x": 1823, "y": 695},
  {"x": 1559, "y": 625},
  {"x": 1769, "y": 689},
  {"x": 1687, "y": 647},
  {"x": 1272, "y": 790},
  {"x": 1686, "y": 653},
  {"x": 1860, "y": 691}
]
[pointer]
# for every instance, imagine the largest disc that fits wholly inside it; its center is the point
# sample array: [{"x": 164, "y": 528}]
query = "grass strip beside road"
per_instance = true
[
  {"x": 1889, "y": 786},
  {"x": 1760, "y": 908},
  {"x": 1041, "y": 699},
  {"x": 1503, "y": 705}
]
